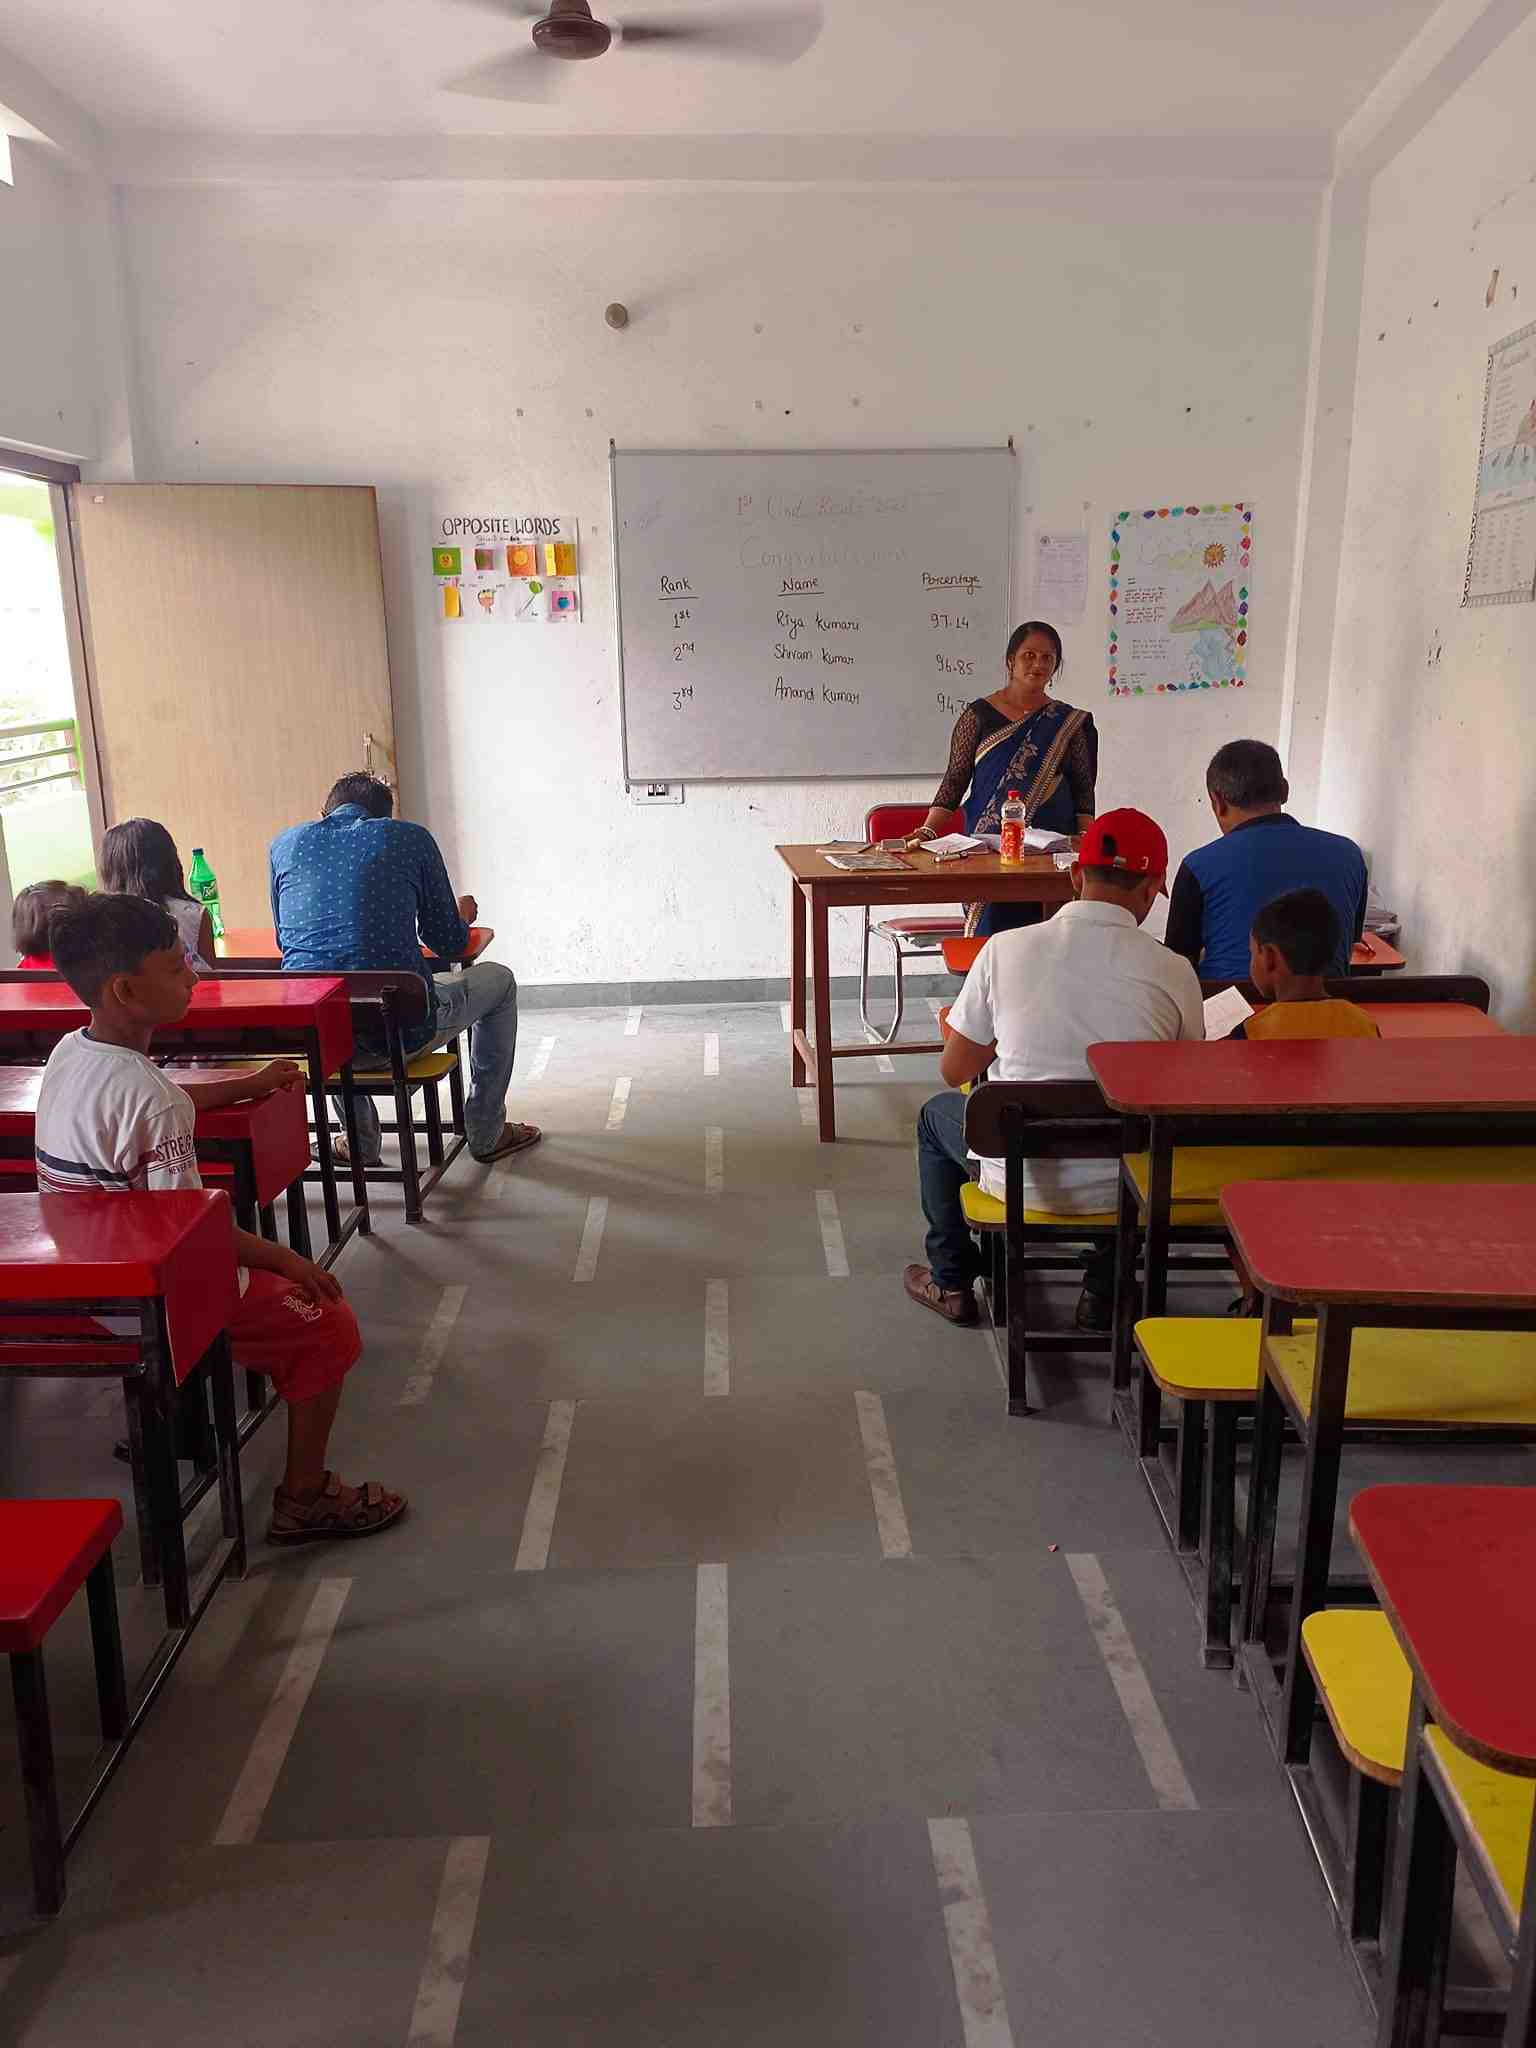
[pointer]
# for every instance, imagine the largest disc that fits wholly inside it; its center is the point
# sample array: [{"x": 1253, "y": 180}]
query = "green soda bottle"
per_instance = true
[{"x": 203, "y": 883}]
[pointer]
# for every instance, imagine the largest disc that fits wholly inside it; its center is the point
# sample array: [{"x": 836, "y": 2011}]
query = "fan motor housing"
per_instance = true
[{"x": 568, "y": 30}]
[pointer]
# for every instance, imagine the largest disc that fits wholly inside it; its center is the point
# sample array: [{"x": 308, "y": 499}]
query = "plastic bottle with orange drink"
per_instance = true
[{"x": 1012, "y": 821}]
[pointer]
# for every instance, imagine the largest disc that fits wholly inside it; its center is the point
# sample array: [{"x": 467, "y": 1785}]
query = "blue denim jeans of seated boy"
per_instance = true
[
  {"x": 943, "y": 1168},
  {"x": 482, "y": 998}
]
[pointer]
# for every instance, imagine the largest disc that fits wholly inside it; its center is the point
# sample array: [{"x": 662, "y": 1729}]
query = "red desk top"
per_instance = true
[
  {"x": 1433, "y": 1020},
  {"x": 46, "y": 1549},
  {"x": 1455, "y": 1570},
  {"x": 126, "y": 1248},
  {"x": 310, "y": 1002},
  {"x": 259, "y": 942},
  {"x": 276, "y": 1128},
  {"x": 1461, "y": 1246},
  {"x": 1337, "y": 1075}
]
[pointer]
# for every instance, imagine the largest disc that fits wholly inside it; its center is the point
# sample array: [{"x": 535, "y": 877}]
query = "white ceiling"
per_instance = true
[{"x": 1228, "y": 70}]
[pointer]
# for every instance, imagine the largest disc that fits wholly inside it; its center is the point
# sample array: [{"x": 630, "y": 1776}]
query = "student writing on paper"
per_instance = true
[
  {"x": 1019, "y": 738},
  {"x": 1261, "y": 853},
  {"x": 1044, "y": 996}
]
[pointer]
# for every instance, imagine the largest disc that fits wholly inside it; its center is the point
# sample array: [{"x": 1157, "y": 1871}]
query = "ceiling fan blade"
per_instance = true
[
  {"x": 525, "y": 75},
  {"x": 764, "y": 35},
  {"x": 507, "y": 10}
]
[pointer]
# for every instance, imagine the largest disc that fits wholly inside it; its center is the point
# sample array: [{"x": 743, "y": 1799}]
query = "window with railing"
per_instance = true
[{"x": 45, "y": 826}]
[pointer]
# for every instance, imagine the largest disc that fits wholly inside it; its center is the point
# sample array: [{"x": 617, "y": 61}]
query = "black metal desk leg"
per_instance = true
[
  {"x": 1154, "y": 1285},
  {"x": 323, "y": 1148},
  {"x": 107, "y": 1649},
  {"x": 1319, "y": 1498},
  {"x": 359, "y": 1169},
  {"x": 1218, "y": 1516},
  {"x": 34, "y": 1738},
  {"x": 221, "y": 1374},
  {"x": 1017, "y": 1286},
  {"x": 1419, "y": 1913},
  {"x": 158, "y": 1408},
  {"x": 1263, "y": 1509},
  {"x": 1125, "y": 1291},
  {"x": 1520, "y": 2025}
]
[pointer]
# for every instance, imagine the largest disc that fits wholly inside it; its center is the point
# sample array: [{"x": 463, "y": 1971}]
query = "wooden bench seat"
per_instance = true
[{"x": 1201, "y": 1172}]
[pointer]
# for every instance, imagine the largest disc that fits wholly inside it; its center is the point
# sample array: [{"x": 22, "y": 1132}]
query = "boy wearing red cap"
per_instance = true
[{"x": 1033, "y": 1003}]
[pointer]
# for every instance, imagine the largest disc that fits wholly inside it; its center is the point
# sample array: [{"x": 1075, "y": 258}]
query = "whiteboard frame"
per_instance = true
[{"x": 1005, "y": 447}]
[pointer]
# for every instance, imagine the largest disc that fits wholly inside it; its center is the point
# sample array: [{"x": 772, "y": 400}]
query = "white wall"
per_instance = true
[
  {"x": 447, "y": 343},
  {"x": 1428, "y": 747},
  {"x": 60, "y": 368}
]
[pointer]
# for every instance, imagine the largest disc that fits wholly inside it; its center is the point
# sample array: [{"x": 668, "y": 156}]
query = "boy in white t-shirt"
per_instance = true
[
  {"x": 110, "y": 1121},
  {"x": 1033, "y": 1003}
]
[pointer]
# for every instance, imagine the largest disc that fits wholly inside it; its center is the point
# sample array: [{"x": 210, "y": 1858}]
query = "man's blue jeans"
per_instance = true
[
  {"x": 483, "y": 998},
  {"x": 943, "y": 1168}
]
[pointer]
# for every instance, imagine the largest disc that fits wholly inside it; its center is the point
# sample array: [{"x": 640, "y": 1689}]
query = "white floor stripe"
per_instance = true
[
  {"x": 784, "y": 1015},
  {"x": 717, "y": 1337},
  {"x": 254, "y": 1787},
  {"x": 435, "y": 2021},
  {"x": 714, "y": 1160},
  {"x": 712, "y": 1700},
  {"x": 831, "y": 1234},
  {"x": 712, "y": 1053},
  {"x": 885, "y": 1063},
  {"x": 591, "y": 1238},
  {"x": 541, "y": 1059},
  {"x": 807, "y": 1098},
  {"x": 632, "y": 1021},
  {"x": 884, "y": 1486},
  {"x": 544, "y": 1494},
  {"x": 968, "y": 1924},
  {"x": 619, "y": 1104},
  {"x": 1149, "y": 1730},
  {"x": 433, "y": 1345}
]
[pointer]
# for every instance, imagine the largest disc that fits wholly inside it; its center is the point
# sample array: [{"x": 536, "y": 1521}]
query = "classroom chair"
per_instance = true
[
  {"x": 907, "y": 936},
  {"x": 1453, "y": 1386},
  {"x": 386, "y": 1009},
  {"x": 49, "y": 1549},
  {"x": 1012, "y": 1121}
]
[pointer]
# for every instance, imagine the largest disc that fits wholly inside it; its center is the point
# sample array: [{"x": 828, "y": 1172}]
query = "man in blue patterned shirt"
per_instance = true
[{"x": 360, "y": 891}]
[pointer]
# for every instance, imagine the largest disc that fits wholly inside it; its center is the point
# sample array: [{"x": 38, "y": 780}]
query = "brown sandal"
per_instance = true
[
  {"x": 514, "y": 1138},
  {"x": 371, "y": 1508}
]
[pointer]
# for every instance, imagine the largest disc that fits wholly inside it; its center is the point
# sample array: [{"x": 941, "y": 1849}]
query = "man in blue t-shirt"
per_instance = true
[
  {"x": 1261, "y": 854},
  {"x": 358, "y": 890}
]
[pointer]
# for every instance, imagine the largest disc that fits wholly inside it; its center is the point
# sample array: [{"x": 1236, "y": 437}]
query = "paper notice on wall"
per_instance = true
[
  {"x": 1061, "y": 577},
  {"x": 521, "y": 570},
  {"x": 1180, "y": 599},
  {"x": 1501, "y": 556}
]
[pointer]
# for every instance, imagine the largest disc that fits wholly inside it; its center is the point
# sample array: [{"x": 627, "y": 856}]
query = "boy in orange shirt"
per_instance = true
[{"x": 1292, "y": 941}]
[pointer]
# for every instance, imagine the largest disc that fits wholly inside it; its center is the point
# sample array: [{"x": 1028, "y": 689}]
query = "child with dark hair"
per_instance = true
[
  {"x": 1294, "y": 939},
  {"x": 139, "y": 858},
  {"x": 110, "y": 1121},
  {"x": 30, "y": 914}
]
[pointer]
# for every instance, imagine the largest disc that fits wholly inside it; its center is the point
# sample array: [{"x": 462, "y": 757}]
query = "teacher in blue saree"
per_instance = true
[{"x": 1023, "y": 738}]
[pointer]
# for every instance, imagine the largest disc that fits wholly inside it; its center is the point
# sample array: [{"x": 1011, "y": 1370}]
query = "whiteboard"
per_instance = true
[{"x": 800, "y": 615}]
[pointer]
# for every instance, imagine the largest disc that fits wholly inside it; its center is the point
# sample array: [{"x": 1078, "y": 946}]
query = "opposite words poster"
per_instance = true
[
  {"x": 1179, "y": 584},
  {"x": 523, "y": 570}
]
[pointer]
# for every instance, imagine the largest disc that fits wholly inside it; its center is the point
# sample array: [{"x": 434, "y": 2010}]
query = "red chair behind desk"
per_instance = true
[{"x": 907, "y": 936}]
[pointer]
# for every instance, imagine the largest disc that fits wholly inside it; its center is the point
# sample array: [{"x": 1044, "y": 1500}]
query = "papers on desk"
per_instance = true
[
  {"x": 1040, "y": 841},
  {"x": 869, "y": 863},
  {"x": 948, "y": 844},
  {"x": 1224, "y": 1012},
  {"x": 844, "y": 846}
]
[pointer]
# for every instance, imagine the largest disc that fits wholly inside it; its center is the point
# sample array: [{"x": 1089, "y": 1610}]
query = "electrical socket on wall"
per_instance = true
[{"x": 655, "y": 792}]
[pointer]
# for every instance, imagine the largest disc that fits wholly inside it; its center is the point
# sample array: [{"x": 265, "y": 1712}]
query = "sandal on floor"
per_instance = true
[
  {"x": 371, "y": 1508},
  {"x": 514, "y": 1138}
]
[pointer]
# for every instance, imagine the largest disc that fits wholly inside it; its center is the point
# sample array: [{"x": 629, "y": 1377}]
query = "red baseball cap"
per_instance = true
[{"x": 1126, "y": 839}]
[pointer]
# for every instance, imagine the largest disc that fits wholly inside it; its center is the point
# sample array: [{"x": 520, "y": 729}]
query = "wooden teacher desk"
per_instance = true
[{"x": 813, "y": 881}]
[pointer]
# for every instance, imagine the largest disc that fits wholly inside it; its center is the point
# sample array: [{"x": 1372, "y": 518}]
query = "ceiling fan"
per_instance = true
[{"x": 567, "y": 31}]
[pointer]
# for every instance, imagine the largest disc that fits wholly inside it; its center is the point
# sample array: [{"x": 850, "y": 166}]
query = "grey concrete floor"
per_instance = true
[{"x": 742, "y": 1674}]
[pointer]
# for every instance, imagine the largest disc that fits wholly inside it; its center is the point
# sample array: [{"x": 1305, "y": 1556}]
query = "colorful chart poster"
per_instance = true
[
  {"x": 1501, "y": 556},
  {"x": 523, "y": 570},
  {"x": 1180, "y": 584}
]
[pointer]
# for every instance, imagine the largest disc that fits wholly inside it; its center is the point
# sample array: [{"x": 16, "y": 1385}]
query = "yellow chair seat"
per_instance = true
[
  {"x": 1433, "y": 1378},
  {"x": 1365, "y": 1685},
  {"x": 986, "y": 1212},
  {"x": 1484, "y": 1378},
  {"x": 1496, "y": 1809},
  {"x": 1200, "y": 1172},
  {"x": 427, "y": 1066}
]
